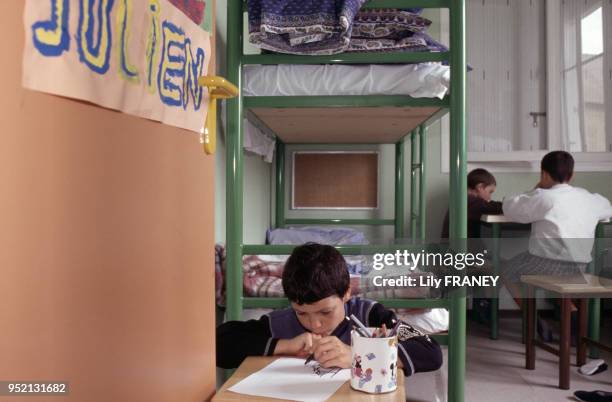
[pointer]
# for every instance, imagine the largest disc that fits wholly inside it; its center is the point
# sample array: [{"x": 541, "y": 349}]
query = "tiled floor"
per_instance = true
[{"x": 495, "y": 371}]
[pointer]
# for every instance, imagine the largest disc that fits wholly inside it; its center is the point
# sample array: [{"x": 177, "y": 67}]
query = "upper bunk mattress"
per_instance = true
[{"x": 424, "y": 80}]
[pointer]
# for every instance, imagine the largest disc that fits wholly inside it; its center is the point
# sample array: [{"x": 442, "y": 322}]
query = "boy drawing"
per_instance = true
[{"x": 316, "y": 282}]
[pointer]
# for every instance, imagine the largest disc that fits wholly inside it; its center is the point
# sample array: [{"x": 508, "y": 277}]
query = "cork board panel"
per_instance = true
[
  {"x": 365, "y": 125},
  {"x": 323, "y": 180}
]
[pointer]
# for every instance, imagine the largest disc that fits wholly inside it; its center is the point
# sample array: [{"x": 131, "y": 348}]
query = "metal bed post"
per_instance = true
[
  {"x": 279, "y": 206},
  {"x": 422, "y": 183},
  {"x": 234, "y": 164},
  {"x": 458, "y": 194},
  {"x": 399, "y": 190},
  {"x": 413, "y": 184}
]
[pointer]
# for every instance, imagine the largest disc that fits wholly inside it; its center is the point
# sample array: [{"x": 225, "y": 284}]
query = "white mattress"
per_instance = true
[{"x": 425, "y": 80}]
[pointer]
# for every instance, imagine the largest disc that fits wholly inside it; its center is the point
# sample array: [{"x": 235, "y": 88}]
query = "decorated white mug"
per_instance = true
[{"x": 374, "y": 363}]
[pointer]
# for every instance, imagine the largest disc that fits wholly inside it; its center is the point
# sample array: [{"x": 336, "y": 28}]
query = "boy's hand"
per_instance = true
[
  {"x": 332, "y": 352},
  {"x": 300, "y": 346}
]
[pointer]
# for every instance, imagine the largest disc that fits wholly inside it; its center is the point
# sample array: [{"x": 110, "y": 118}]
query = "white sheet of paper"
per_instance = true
[{"x": 289, "y": 378}]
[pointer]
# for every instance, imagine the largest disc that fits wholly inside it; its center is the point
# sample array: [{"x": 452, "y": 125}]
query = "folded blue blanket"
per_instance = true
[
  {"x": 301, "y": 235},
  {"x": 322, "y": 27},
  {"x": 315, "y": 27}
]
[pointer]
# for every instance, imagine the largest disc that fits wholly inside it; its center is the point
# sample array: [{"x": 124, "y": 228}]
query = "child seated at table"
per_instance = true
[
  {"x": 563, "y": 219},
  {"x": 316, "y": 282},
  {"x": 481, "y": 186}
]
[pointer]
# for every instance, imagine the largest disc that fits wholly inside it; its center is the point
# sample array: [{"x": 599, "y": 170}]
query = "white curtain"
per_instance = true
[
  {"x": 507, "y": 83},
  {"x": 585, "y": 66}
]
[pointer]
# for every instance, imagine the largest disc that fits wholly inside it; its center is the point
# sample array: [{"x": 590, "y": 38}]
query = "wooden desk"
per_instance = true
[
  {"x": 495, "y": 219},
  {"x": 496, "y": 222},
  {"x": 344, "y": 393},
  {"x": 566, "y": 288},
  {"x": 505, "y": 219},
  {"x": 586, "y": 285}
]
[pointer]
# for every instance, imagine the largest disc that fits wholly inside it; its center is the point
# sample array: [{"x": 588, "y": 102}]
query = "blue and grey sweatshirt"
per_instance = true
[{"x": 238, "y": 339}]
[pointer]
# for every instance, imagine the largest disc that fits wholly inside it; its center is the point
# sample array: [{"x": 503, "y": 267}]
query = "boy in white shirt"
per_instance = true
[{"x": 563, "y": 221}]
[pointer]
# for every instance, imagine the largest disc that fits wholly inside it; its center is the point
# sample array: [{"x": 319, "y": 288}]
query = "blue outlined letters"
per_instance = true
[
  {"x": 51, "y": 37},
  {"x": 158, "y": 57},
  {"x": 95, "y": 52},
  {"x": 194, "y": 68},
  {"x": 172, "y": 65}
]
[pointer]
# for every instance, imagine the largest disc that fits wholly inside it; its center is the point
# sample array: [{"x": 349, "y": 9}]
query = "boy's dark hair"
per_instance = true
[
  {"x": 314, "y": 272},
  {"x": 480, "y": 176},
  {"x": 559, "y": 165}
]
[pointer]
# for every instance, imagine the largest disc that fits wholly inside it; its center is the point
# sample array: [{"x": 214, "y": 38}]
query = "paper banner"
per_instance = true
[
  {"x": 199, "y": 11},
  {"x": 142, "y": 57}
]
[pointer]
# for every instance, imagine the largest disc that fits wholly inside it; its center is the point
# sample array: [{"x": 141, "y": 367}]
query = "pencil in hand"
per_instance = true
[{"x": 309, "y": 358}]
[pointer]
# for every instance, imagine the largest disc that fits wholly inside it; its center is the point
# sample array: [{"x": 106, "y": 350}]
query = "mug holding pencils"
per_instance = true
[{"x": 374, "y": 362}]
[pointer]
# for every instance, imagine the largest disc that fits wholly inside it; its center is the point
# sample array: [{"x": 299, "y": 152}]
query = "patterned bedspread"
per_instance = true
[
  {"x": 322, "y": 27},
  {"x": 263, "y": 279},
  {"x": 302, "y": 26}
]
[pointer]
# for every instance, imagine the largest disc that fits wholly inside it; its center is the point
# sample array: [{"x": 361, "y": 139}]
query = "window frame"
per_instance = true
[{"x": 529, "y": 161}]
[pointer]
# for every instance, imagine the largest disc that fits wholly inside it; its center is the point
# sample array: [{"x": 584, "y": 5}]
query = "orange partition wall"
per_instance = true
[{"x": 106, "y": 246}]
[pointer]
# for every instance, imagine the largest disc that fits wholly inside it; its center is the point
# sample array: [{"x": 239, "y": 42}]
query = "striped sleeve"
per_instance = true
[{"x": 417, "y": 352}]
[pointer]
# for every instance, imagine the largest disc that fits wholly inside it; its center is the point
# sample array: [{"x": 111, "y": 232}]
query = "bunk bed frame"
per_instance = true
[{"x": 455, "y": 104}]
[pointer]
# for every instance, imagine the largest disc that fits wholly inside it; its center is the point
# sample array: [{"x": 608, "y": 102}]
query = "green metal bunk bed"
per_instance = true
[{"x": 455, "y": 104}]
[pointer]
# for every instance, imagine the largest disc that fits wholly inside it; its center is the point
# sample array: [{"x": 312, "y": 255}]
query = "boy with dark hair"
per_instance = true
[
  {"x": 559, "y": 166},
  {"x": 316, "y": 282},
  {"x": 481, "y": 186},
  {"x": 479, "y": 179},
  {"x": 563, "y": 221}
]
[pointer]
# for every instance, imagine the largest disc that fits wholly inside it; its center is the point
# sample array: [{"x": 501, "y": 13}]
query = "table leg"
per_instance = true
[
  {"x": 582, "y": 332},
  {"x": 494, "y": 333},
  {"x": 494, "y": 329},
  {"x": 564, "y": 346},
  {"x": 595, "y": 303},
  {"x": 594, "y": 323},
  {"x": 524, "y": 310},
  {"x": 529, "y": 305}
]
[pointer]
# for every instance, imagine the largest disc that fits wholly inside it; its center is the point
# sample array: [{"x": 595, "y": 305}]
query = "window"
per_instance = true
[
  {"x": 505, "y": 43},
  {"x": 541, "y": 79},
  {"x": 584, "y": 95}
]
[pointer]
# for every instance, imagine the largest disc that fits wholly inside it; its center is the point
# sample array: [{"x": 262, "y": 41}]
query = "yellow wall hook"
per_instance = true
[{"x": 218, "y": 88}]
